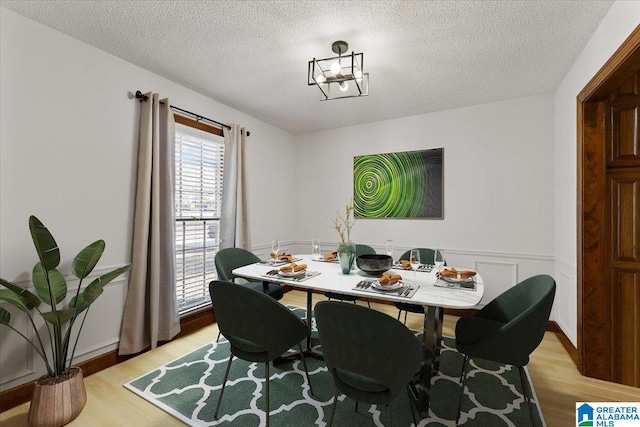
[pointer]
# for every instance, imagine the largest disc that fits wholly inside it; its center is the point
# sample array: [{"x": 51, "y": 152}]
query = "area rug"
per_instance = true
[{"x": 188, "y": 388}]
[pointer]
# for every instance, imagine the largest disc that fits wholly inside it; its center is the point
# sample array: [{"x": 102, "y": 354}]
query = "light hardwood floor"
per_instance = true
[{"x": 556, "y": 380}]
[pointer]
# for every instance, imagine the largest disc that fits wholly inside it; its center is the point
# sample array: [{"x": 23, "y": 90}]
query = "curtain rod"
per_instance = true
[{"x": 142, "y": 97}]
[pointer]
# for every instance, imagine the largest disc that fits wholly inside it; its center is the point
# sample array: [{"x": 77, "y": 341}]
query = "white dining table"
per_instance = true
[{"x": 434, "y": 299}]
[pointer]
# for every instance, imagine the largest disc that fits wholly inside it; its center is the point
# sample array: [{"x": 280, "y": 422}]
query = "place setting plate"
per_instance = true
[
  {"x": 292, "y": 274},
  {"x": 455, "y": 283},
  {"x": 376, "y": 285}
]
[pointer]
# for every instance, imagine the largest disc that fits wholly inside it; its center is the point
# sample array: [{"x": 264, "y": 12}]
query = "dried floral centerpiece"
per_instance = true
[{"x": 346, "y": 248}]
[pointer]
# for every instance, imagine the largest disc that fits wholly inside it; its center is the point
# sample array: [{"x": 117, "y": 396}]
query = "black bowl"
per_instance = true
[{"x": 374, "y": 264}]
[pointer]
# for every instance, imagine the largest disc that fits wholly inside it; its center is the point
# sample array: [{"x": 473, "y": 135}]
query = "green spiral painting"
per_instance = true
[{"x": 398, "y": 185}]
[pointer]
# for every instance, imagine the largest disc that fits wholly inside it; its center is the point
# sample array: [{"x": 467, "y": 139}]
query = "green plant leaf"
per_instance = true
[
  {"x": 56, "y": 286},
  {"x": 95, "y": 288},
  {"x": 59, "y": 317},
  {"x": 5, "y": 317},
  {"x": 87, "y": 259},
  {"x": 15, "y": 300},
  {"x": 45, "y": 244},
  {"x": 31, "y": 299}
]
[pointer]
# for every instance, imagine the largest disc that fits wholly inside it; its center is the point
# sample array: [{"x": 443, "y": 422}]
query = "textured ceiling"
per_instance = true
[{"x": 422, "y": 56}]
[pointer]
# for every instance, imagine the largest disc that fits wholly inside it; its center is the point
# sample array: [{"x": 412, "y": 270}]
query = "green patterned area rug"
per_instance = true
[{"x": 188, "y": 388}]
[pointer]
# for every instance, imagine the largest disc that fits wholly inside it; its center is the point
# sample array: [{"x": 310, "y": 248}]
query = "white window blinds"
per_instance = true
[{"x": 199, "y": 159}]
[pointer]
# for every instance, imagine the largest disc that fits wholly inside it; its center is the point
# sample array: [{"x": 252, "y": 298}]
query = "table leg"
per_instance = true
[
  {"x": 433, "y": 319},
  {"x": 309, "y": 316}
]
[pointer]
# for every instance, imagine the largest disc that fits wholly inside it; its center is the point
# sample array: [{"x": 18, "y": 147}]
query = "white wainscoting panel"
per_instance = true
[
  {"x": 498, "y": 276},
  {"x": 19, "y": 363},
  {"x": 16, "y": 355},
  {"x": 565, "y": 306},
  {"x": 101, "y": 331}
]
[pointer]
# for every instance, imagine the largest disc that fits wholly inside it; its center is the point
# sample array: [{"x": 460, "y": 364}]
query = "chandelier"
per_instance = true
[{"x": 340, "y": 76}]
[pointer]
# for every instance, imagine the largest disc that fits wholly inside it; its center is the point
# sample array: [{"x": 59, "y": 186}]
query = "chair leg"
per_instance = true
[
  {"x": 399, "y": 313},
  {"x": 333, "y": 407},
  {"x": 224, "y": 382},
  {"x": 525, "y": 391},
  {"x": 218, "y": 339},
  {"x": 405, "y": 316},
  {"x": 388, "y": 416},
  {"x": 413, "y": 412},
  {"x": 306, "y": 371},
  {"x": 368, "y": 303},
  {"x": 463, "y": 379},
  {"x": 266, "y": 379},
  {"x": 464, "y": 366},
  {"x": 356, "y": 406}
]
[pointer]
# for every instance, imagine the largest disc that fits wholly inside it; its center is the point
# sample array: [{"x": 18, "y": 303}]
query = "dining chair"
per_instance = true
[
  {"x": 259, "y": 329},
  {"x": 360, "y": 250},
  {"x": 228, "y": 259},
  {"x": 426, "y": 254},
  {"x": 371, "y": 356},
  {"x": 508, "y": 329}
]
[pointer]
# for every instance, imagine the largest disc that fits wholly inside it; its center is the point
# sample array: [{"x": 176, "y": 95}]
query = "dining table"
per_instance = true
[{"x": 422, "y": 287}]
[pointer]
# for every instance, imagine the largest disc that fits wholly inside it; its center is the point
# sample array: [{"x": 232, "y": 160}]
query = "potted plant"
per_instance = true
[
  {"x": 346, "y": 248},
  {"x": 59, "y": 396}
]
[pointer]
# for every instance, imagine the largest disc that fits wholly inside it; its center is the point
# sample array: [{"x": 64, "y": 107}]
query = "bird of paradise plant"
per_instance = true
[{"x": 51, "y": 289}]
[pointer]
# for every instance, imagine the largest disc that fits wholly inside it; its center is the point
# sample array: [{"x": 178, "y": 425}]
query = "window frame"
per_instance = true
[{"x": 195, "y": 124}]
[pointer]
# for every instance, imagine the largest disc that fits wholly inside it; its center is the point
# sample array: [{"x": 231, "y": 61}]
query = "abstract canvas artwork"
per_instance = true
[{"x": 407, "y": 184}]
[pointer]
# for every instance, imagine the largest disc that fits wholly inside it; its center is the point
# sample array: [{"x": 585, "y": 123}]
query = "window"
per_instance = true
[{"x": 199, "y": 160}]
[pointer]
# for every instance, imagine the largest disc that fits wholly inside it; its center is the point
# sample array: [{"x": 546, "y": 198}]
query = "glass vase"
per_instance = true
[{"x": 346, "y": 256}]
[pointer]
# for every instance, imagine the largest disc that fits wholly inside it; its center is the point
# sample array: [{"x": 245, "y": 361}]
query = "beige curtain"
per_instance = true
[
  {"x": 234, "y": 219},
  {"x": 151, "y": 309}
]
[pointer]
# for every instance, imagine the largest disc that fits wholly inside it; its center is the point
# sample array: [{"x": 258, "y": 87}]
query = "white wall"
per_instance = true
[
  {"x": 67, "y": 155},
  {"x": 498, "y": 186},
  {"x": 621, "y": 20}
]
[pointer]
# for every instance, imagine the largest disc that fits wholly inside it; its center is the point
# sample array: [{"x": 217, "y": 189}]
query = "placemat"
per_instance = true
[
  {"x": 467, "y": 286},
  {"x": 274, "y": 274},
  {"x": 279, "y": 262},
  {"x": 426, "y": 268},
  {"x": 407, "y": 291}
]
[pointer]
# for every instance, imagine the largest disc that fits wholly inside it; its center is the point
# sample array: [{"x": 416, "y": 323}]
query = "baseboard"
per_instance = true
[
  {"x": 188, "y": 324},
  {"x": 565, "y": 341}
]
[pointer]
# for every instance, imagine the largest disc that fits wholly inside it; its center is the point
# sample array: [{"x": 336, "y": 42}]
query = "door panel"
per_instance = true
[
  {"x": 623, "y": 260},
  {"x": 626, "y": 338}
]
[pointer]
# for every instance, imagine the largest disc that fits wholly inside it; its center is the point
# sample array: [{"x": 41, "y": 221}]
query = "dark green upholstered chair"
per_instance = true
[
  {"x": 371, "y": 356},
  {"x": 426, "y": 257},
  {"x": 259, "y": 329},
  {"x": 508, "y": 329},
  {"x": 360, "y": 250},
  {"x": 228, "y": 259}
]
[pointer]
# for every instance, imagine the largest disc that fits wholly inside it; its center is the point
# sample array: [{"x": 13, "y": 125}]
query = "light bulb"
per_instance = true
[
  {"x": 344, "y": 86},
  {"x": 320, "y": 79},
  {"x": 335, "y": 68}
]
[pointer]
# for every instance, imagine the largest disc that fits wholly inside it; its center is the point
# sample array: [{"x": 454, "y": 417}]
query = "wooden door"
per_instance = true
[
  {"x": 623, "y": 246},
  {"x": 608, "y": 202}
]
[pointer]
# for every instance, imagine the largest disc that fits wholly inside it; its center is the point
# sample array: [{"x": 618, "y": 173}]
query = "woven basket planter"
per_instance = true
[{"x": 57, "y": 401}]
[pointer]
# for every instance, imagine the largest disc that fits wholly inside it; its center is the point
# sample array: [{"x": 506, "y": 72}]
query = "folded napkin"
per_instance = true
[
  {"x": 330, "y": 255},
  {"x": 389, "y": 279},
  {"x": 405, "y": 264},
  {"x": 283, "y": 256},
  {"x": 293, "y": 268},
  {"x": 453, "y": 273}
]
